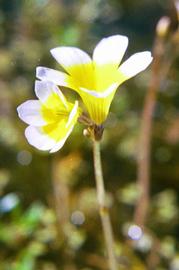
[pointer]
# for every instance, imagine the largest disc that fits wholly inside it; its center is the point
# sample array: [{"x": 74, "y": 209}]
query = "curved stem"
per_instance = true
[{"x": 103, "y": 209}]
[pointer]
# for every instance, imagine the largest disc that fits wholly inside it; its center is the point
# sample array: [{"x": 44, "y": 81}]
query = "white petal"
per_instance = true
[
  {"x": 110, "y": 50},
  {"x": 70, "y": 56},
  {"x": 48, "y": 74},
  {"x": 60, "y": 143},
  {"x": 43, "y": 89},
  {"x": 103, "y": 94},
  {"x": 38, "y": 139},
  {"x": 135, "y": 64},
  {"x": 29, "y": 112}
]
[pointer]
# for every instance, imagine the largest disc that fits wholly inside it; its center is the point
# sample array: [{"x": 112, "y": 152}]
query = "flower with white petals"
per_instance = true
[
  {"x": 96, "y": 80},
  {"x": 51, "y": 118}
]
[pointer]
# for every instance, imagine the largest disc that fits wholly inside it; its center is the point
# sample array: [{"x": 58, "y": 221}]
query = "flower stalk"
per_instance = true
[
  {"x": 103, "y": 208},
  {"x": 164, "y": 51}
]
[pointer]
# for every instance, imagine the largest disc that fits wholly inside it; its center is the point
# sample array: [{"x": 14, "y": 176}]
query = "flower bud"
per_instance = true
[
  {"x": 163, "y": 26},
  {"x": 86, "y": 132}
]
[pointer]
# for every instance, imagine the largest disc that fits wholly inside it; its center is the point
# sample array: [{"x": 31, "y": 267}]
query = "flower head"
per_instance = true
[
  {"x": 96, "y": 80},
  {"x": 51, "y": 118}
]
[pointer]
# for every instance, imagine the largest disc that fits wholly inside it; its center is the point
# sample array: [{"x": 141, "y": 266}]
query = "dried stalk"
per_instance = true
[{"x": 164, "y": 51}]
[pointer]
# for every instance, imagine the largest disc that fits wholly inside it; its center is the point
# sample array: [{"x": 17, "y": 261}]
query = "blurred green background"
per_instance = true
[{"x": 48, "y": 210}]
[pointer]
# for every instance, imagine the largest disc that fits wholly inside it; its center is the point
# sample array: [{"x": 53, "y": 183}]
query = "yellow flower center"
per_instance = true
[
  {"x": 56, "y": 115},
  {"x": 96, "y": 78}
]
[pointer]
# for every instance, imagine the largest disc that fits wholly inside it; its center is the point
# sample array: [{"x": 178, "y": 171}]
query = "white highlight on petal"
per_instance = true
[
  {"x": 37, "y": 138},
  {"x": 43, "y": 89},
  {"x": 110, "y": 50},
  {"x": 72, "y": 114},
  {"x": 136, "y": 63},
  {"x": 29, "y": 112},
  {"x": 48, "y": 74},
  {"x": 69, "y": 56},
  {"x": 104, "y": 94}
]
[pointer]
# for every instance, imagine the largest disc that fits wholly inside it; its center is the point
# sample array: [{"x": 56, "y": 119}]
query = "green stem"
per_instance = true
[{"x": 103, "y": 209}]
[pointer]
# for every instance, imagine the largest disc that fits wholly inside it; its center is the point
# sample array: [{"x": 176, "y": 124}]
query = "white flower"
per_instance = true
[
  {"x": 51, "y": 118},
  {"x": 96, "y": 79}
]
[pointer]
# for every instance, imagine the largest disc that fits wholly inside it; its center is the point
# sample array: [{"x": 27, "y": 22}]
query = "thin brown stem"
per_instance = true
[
  {"x": 164, "y": 52},
  {"x": 103, "y": 209},
  {"x": 143, "y": 178}
]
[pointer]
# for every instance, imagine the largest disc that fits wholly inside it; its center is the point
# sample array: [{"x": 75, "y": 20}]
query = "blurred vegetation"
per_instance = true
[{"x": 48, "y": 211}]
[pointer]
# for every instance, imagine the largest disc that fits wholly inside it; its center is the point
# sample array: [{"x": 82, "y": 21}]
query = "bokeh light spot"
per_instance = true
[
  {"x": 24, "y": 157},
  {"x": 8, "y": 202},
  {"x": 77, "y": 218},
  {"x": 135, "y": 232}
]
